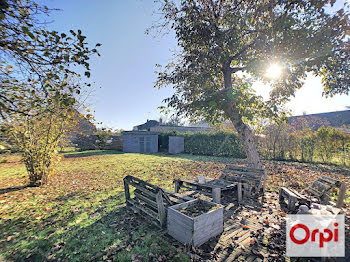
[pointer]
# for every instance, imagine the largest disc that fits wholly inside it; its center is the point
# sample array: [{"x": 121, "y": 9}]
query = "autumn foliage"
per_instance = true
[
  {"x": 39, "y": 139},
  {"x": 306, "y": 141}
]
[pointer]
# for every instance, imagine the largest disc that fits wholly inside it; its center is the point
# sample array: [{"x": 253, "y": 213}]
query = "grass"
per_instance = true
[
  {"x": 71, "y": 217},
  {"x": 79, "y": 215}
]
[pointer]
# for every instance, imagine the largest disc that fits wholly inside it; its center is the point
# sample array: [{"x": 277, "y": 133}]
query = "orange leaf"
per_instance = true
[{"x": 9, "y": 238}]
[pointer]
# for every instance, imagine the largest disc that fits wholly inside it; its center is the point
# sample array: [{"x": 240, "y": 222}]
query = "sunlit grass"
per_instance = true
[{"x": 79, "y": 215}]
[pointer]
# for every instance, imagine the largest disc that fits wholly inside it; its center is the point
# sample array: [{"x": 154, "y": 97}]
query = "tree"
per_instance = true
[
  {"x": 40, "y": 79},
  {"x": 171, "y": 120},
  {"x": 226, "y": 45},
  {"x": 103, "y": 134},
  {"x": 37, "y": 65},
  {"x": 38, "y": 137}
]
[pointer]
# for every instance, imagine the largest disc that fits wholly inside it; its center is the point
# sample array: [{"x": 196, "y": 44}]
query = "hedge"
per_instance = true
[{"x": 203, "y": 143}]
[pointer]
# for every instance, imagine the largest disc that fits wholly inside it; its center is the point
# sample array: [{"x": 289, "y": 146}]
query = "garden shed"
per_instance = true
[{"x": 140, "y": 142}]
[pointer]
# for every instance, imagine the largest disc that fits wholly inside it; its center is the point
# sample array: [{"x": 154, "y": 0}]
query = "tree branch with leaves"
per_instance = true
[{"x": 227, "y": 45}]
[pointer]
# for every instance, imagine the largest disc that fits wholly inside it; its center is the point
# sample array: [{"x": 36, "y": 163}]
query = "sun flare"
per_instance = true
[{"x": 274, "y": 71}]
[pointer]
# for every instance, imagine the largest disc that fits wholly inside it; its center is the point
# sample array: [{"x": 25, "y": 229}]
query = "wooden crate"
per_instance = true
[{"x": 195, "y": 230}]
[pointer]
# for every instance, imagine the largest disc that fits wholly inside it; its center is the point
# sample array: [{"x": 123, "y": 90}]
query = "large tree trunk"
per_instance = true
[{"x": 245, "y": 134}]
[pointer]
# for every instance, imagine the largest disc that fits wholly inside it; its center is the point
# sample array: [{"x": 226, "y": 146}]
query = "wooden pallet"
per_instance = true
[
  {"x": 320, "y": 190},
  {"x": 252, "y": 180},
  {"x": 292, "y": 198},
  {"x": 150, "y": 200}
]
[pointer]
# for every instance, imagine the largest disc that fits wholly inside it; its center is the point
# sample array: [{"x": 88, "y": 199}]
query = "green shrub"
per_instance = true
[
  {"x": 203, "y": 143},
  {"x": 163, "y": 139}
]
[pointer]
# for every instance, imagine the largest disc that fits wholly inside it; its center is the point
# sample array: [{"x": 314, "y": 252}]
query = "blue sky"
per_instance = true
[{"x": 124, "y": 74}]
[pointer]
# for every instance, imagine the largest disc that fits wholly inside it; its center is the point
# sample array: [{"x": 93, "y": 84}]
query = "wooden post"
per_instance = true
[
  {"x": 291, "y": 203},
  {"x": 216, "y": 193},
  {"x": 247, "y": 190},
  {"x": 264, "y": 183},
  {"x": 264, "y": 188},
  {"x": 281, "y": 195},
  {"x": 126, "y": 191},
  {"x": 177, "y": 186},
  {"x": 239, "y": 192},
  {"x": 341, "y": 196},
  {"x": 161, "y": 209}
]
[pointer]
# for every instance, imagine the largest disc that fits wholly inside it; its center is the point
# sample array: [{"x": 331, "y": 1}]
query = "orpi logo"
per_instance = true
[{"x": 315, "y": 236}]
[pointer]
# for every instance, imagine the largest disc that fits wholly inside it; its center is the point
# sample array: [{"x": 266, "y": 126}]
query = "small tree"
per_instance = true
[
  {"x": 39, "y": 84},
  {"x": 342, "y": 141},
  {"x": 39, "y": 138},
  {"x": 326, "y": 145},
  {"x": 103, "y": 135}
]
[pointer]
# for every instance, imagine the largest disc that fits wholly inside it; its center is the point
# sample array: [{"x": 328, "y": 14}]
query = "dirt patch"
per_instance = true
[{"x": 199, "y": 208}]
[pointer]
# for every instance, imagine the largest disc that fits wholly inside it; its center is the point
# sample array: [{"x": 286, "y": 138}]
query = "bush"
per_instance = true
[
  {"x": 325, "y": 145},
  {"x": 38, "y": 138},
  {"x": 163, "y": 139},
  {"x": 203, "y": 143}
]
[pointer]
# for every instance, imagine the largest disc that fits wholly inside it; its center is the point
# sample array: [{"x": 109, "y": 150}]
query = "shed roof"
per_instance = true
[{"x": 145, "y": 133}]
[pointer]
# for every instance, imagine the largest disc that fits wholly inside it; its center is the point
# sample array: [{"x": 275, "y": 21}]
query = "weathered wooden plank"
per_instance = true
[
  {"x": 201, "y": 228},
  {"x": 177, "y": 186},
  {"x": 153, "y": 221},
  {"x": 161, "y": 209},
  {"x": 329, "y": 180},
  {"x": 314, "y": 192},
  {"x": 140, "y": 181},
  {"x": 239, "y": 192},
  {"x": 145, "y": 209},
  {"x": 236, "y": 253},
  {"x": 241, "y": 179},
  {"x": 320, "y": 185},
  {"x": 126, "y": 190},
  {"x": 216, "y": 194},
  {"x": 250, "y": 175},
  {"x": 208, "y": 219},
  {"x": 250, "y": 258},
  {"x": 141, "y": 188},
  {"x": 148, "y": 201},
  {"x": 180, "y": 217},
  {"x": 244, "y": 168},
  {"x": 224, "y": 239},
  {"x": 341, "y": 196},
  {"x": 182, "y": 205},
  {"x": 183, "y": 224},
  {"x": 179, "y": 197}
]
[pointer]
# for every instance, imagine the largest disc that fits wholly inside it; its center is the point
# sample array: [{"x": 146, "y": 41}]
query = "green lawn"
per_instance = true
[{"x": 79, "y": 215}]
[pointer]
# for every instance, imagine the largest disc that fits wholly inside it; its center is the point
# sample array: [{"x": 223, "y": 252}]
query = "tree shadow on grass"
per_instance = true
[
  {"x": 204, "y": 158},
  {"x": 12, "y": 189},
  {"x": 92, "y": 153},
  {"x": 108, "y": 232}
]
